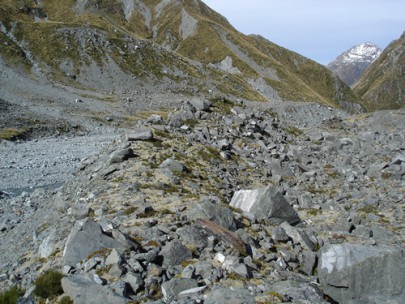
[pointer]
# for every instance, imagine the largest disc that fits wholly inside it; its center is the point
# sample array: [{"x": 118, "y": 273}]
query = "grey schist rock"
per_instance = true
[
  {"x": 298, "y": 236},
  {"x": 398, "y": 159},
  {"x": 213, "y": 212},
  {"x": 134, "y": 280},
  {"x": 299, "y": 291},
  {"x": 83, "y": 290},
  {"x": 121, "y": 155},
  {"x": 139, "y": 134},
  {"x": 174, "y": 253},
  {"x": 172, "y": 165},
  {"x": 194, "y": 235},
  {"x": 86, "y": 238},
  {"x": 177, "y": 119},
  {"x": 222, "y": 295},
  {"x": 267, "y": 203},
  {"x": 47, "y": 246},
  {"x": 200, "y": 104},
  {"x": 172, "y": 288},
  {"x": 352, "y": 273}
]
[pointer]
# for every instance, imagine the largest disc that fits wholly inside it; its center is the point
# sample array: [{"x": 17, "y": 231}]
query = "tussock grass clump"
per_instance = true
[
  {"x": 66, "y": 300},
  {"x": 11, "y": 296},
  {"x": 11, "y": 133},
  {"x": 48, "y": 285}
]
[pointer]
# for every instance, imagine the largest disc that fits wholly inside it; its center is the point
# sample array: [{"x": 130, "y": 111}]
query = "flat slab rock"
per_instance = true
[{"x": 267, "y": 203}]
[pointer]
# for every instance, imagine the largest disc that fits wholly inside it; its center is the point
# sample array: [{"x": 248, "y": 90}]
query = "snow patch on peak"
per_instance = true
[{"x": 365, "y": 52}]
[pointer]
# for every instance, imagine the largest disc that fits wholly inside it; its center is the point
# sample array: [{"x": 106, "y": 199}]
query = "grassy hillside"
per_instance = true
[
  {"x": 183, "y": 41},
  {"x": 382, "y": 86}
]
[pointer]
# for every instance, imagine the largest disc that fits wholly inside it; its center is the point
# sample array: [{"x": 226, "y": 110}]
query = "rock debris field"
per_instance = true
[{"x": 216, "y": 202}]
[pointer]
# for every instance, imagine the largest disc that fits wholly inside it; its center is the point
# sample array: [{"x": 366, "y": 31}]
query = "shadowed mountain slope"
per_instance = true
[{"x": 382, "y": 86}]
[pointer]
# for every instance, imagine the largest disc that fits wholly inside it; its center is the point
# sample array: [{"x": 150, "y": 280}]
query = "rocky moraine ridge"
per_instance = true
[{"x": 223, "y": 202}]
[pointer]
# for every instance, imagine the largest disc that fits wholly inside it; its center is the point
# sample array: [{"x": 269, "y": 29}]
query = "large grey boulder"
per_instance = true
[
  {"x": 213, "y": 212},
  {"x": 267, "y": 203},
  {"x": 86, "y": 238},
  {"x": 83, "y": 290},
  {"x": 352, "y": 273}
]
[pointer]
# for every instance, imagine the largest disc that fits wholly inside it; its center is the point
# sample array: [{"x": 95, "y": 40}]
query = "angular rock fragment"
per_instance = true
[
  {"x": 83, "y": 290},
  {"x": 172, "y": 288},
  {"x": 177, "y": 119},
  {"x": 200, "y": 104},
  {"x": 213, "y": 212},
  {"x": 194, "y": 236},
  {"x": 155, "y": 119},
  {"x": 47, "y": 247},
  {"x": 139, "y": 134},
  {"x": 298, "y": 236},
  {"x": 398, "y": 159},
  {"x": 222, "y": 295},
  {"x": 172, "y": 165},
  {"x": 266, "y": 203},
  {"x": 86, "y": 238},
  {"x": 299, "y": 291},
  {"x": 174, "y": 253},
  {"x": 134, "y": 280},
  {"x": 121, "y": 155},
  {"x": 352, "y": 273}
]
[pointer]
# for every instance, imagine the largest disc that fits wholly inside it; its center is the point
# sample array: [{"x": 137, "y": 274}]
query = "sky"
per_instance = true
[{"x": 318, "y": 29}]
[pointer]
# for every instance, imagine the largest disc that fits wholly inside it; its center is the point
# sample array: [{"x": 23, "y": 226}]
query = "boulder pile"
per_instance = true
[{"x": 223, "y": 202}]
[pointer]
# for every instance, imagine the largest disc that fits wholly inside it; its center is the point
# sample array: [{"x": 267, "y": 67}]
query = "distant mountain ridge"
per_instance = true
[
  {"x": 350, "y": 65},
  {"x": 184, "y": 46},
  {"x": 382, "y": 86}
]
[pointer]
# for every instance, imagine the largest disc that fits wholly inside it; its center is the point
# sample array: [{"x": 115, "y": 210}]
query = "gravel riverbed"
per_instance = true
[{"x": 47, "y": 162}]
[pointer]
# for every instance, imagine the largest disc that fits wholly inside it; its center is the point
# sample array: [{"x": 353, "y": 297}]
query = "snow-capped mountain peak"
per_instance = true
[
  {"x": 350, "y": 65},
  {"x": 365, "y": 52}
]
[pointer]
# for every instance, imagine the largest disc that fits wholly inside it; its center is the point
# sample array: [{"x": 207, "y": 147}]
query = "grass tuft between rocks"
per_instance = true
[
  {"x": 48, "y": 285},
  {"x": 11, "y": 296}
]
